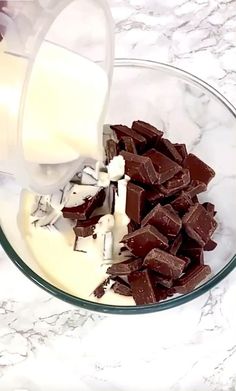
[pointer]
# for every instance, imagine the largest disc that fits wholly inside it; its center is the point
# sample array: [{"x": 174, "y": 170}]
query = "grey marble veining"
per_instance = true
[{"x": 46, "y": 344}]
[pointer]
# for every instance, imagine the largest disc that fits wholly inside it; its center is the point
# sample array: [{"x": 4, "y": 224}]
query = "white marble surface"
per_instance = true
[{"x": 46, "y": 344}]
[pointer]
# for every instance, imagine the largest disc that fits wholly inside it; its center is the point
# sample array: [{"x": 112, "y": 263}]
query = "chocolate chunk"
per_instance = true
[
  {"x": 210, "y": 246},
  {"x": 187, "y": 261},
  {"x": 164, "y": 281},
  {"x": 198, "y": 169},
  {"x": 167, "y": 201},
  {"x": 132, "y": 226},
  {"x": 122, "y": 130},
  {"x": 153, "y": 197},
  {"x": 189, "y": 243},
  {"x": 162, "y": 293},
  {"x": 144, "y": 287},
  {"x": 126, "y": 267},
  {"x": 165, "y": 167},
  {"x": 182, "y": 203},
  {"x": 144, "y": 239},
  {"x": 168, "y": 223},
  {"x": 196, "y": 255},
  {"x": 195, "y": 187},
  {"x": 135, "y": 202},
  {"x": 175, "y": 184},
  {"x": 168, "y": 149},
  {"x": 181, "y": 148},
  {"x": 127, "y": 144},
  {"x": 152, "y": 134},
  {"x": 174, "y": 248},
  {"x": 84, "y": 211},
  {"x": 86, "y": 228},
  {"x": 192, "y": 249},
  {"x": 188, "y": 282},
  {"x": 111, "y": 150},
  {"x": 182, "y": 178},
  {"x": 101, "y": 289},
  {"x": 170, "y": 209},
  {"x": 121, "y": 287},
  {"x": 139, "y": 168},
  {"x": 210, "y": 208},
  {"x": 164, "y": 263},
  {"x": 195, "y": 199},
  {"x": 198, "y": 224}
]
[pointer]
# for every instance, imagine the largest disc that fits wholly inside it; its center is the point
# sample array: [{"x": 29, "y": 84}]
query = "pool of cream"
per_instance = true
[{"x": 52, "y": 248}]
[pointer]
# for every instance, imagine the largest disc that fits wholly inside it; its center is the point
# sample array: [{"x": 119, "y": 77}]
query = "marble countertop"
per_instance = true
[{"x": 46, "y": 344}]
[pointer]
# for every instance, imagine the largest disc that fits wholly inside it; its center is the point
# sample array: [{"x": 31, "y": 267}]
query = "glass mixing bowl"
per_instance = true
[{"x": 189, "y": 111}]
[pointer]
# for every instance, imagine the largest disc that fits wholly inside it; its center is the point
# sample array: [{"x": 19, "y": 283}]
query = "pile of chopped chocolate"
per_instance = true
[{"x": 169, "y": 228}]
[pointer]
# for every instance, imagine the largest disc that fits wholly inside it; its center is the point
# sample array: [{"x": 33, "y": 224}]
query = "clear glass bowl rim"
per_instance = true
[{"x": 128, "y": 310}]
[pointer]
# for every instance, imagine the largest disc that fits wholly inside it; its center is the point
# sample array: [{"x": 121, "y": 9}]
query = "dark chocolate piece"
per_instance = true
[
  {"x": 198, "y": 169},
  {"x": 84, "y": 211},
  {"x": 175, "y": 184},
  {"x": 86, "y": 228},
  {"x": 162, "y": 293},
  {"x": 198, "y": 224},
  {"x": 187, "y": 261},
  {"x": 210, "y": 208},
  {"x": 101, "y": 289},
  {"x": 168, "y": 223},
  {"x": 152, "y": 134},
  {"x": 111, "y": 150},
  {"x": 196, "y": 255},
  {"x": 122, "y": 130},
  {"x": 174, "y": 248},
  {"x": 195, "y": 187},
  {"x": 144, "y": 288},
  {"x": 168, "y": 149},
  {"x": 164, "y": 281},
  {"x": 181, "y": 148},
  {"x": 188, "y": 282},
  {"x": 126, "y": 267},
  {"x": 153, "y": 197},
  {"x": 144, "y": 239},
  {"x": 192, "y": 250},
  {"x": 164, "y": 263},
  {"x": 135, "y": 202},
  {"x": 165, "y": 167},
  {"x": 195, "y": 199},
  {"x": 210, "y": 246},
  {"x": 182, "y": 203},
  {"x": 132, "y": 226},
  {"x": 127, "y": 144},
  {"x": 139, "y": 168},
  {"x": 170, "y": 208},
  {"x": 121, "y": 287}
]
